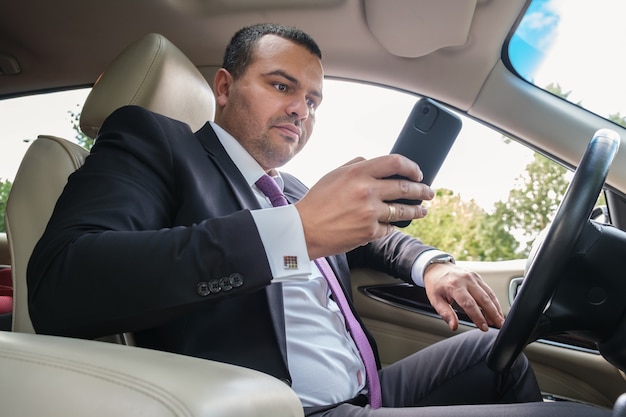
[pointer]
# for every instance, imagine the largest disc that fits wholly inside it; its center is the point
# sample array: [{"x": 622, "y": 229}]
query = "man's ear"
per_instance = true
[{"x": 221, "y": 86}]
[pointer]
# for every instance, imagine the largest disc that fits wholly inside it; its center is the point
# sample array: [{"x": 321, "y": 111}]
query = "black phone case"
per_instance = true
[{"x": 426, "y": 138}]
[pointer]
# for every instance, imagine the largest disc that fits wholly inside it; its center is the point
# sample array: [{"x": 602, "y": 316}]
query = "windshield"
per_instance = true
[{"x": 572, "y": 49}]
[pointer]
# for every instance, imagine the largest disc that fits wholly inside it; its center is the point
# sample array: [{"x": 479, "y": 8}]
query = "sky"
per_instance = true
[
  {"x": 356, "y": 120},
  {"x": 579, "y": 45}
]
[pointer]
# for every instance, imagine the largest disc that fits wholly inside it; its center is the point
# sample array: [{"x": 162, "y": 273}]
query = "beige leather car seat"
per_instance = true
[
  {"x": 155, "y": 74},
  {"x": 62, "y": 377},
  {"x": 38, "y": 183},
  {"x": 152, "y": 73}
]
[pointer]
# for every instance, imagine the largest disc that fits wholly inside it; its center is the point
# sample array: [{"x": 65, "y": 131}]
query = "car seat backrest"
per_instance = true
[
  {"x": 155, "y": 74},
  {"x": 38, "y": 183}
]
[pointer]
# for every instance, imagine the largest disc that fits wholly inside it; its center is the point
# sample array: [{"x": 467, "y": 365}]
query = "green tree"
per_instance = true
[
  {"x": 532, "y": 203},
  {"x": 556, "y": 89},
  {"x": 462, "y": 228},
  {"x": 618, "y": 118},
  {"x": 495, "y": 242},
  {"x": 82, "y": 139},
  {"x": 5, "y": 187}
]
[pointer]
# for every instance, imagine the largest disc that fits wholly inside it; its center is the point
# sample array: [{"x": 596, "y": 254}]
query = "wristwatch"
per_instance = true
[{"x": 441, "y": 259}]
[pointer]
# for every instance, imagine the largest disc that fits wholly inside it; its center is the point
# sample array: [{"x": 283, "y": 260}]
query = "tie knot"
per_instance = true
[{"x": 269, "y": 187}]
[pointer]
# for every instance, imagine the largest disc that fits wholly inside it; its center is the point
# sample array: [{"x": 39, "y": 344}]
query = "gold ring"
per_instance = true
[{"x": 392, "y": 212}]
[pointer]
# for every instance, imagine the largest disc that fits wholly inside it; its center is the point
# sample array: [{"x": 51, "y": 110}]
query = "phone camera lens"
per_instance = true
[{"x": 425, "y": 110}]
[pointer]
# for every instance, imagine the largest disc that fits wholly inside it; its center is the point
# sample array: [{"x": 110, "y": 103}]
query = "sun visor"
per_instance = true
[{"x": 414, "y": 28}]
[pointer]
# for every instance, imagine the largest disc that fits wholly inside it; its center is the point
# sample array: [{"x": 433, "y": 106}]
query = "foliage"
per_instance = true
[
  {"x": 556, "y": 89},
  {"x": 467, "y": 231},
  {"x": 618, "y": 119},
  {"x": 532, "y": 203},
  {"x": 5, "y": 187},
  {"x": 464, "y": 229},
  {"x": 82, "y": 139}
]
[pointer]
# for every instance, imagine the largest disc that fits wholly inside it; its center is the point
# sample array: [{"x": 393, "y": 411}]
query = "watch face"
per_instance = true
[{"x": 442, "y": 260}]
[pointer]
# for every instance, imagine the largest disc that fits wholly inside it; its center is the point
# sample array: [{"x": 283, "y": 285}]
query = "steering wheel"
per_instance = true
[{"x": 545, "y": 267}]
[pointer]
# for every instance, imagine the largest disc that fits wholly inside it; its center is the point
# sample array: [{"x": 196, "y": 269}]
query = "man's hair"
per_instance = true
[{"x": 239, "y": 52}]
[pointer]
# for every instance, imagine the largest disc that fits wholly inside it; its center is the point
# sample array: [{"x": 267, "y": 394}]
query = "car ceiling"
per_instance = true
[
  {"x": 449, "y": 50},
  {"x": 66, "y": 43}
]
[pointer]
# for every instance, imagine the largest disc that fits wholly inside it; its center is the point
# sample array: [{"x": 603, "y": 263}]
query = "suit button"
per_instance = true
[
  {"x": 225, "y": 284},
  {"x": 203, "y": 289},
  {"x": 236, "y": 280},
  {"x": 214, "y": 286}
]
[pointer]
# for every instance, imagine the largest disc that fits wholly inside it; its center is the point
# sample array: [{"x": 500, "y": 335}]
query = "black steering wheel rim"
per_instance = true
[{"x": 543, "y": 272}]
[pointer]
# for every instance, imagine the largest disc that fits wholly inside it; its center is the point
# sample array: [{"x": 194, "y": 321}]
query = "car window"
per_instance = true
[
  {"x": 24, "y": 118},
  {"x": 570, "y": 51},
  {"x": 493, "y": 195}
]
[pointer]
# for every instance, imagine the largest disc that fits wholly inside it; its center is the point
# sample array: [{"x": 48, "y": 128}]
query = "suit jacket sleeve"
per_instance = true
[
  {"x": 124, "y": 252},
  {"x": 394, "y": 255}
]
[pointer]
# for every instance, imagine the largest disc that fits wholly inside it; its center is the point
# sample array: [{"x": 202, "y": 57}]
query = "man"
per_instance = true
[{"x": 168, "y": 234}]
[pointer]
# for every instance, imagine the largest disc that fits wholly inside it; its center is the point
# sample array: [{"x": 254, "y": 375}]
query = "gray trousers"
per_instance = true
[{"x": 451, "y": 379}]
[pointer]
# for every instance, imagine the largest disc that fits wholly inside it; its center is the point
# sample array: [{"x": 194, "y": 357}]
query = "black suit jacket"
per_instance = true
[{"x": 153, "y": 235}]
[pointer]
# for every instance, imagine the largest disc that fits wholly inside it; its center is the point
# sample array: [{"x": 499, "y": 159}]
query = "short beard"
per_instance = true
[{"x": 267, "y": 154}]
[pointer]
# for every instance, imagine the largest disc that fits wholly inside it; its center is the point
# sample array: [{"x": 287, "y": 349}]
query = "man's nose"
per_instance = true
[{"x": 299, "y": 108}]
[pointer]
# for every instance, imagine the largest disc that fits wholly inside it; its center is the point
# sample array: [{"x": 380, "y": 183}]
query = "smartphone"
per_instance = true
[{"x": 426, "y": 138}]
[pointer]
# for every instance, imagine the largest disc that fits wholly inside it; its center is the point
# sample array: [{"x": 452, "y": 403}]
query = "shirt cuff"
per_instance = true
[
  {"x": 422, "y": 261},
  {"x": 281, "y": 232}
]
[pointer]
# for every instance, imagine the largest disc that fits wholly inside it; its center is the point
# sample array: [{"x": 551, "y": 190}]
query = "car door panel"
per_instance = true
[{"x": 403, "y": 322}]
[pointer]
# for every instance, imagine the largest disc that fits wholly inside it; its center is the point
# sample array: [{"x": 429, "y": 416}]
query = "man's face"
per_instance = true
[{"x": 270, "y": 110}]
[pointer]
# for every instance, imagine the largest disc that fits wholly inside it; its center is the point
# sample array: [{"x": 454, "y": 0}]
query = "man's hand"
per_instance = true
[
  {"x": 448, "y": 283},
  {"x": 347, "y": 208}
]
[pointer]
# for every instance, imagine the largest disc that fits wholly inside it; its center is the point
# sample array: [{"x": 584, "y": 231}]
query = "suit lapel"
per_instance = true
[
  {"x": 246, "y": 198},
  {"x": 218, "y": 155}
]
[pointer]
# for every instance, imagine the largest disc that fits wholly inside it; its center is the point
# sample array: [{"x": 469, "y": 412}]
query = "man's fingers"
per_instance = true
[
  {"x": 480, "y": 307},
  {"x": 390, "y": 165},
  {"x": 354, "y": 161},
  {"x": 488, "y": 305},
  {"x": 447, "y": 313},
  {"x": 393, "y": 212},
  {"x": 389, "y": 177},
  {"x": 448, "y": 284},
  {"x": 476, "y": 315},
  {"x": 493, "y": 297},
  {"x": 391, "y": 189}
]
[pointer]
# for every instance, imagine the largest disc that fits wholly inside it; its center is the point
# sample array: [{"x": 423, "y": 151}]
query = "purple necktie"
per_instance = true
[{"x": 269, "y": 187}]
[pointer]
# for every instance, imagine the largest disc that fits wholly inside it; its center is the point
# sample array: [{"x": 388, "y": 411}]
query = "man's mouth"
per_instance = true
[{"x": 291, "y": 131}]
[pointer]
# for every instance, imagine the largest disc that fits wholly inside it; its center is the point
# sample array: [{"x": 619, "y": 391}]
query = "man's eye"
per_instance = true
[
  {"x": 280, "y": 87},
  {"x": 311, "y": 103}
]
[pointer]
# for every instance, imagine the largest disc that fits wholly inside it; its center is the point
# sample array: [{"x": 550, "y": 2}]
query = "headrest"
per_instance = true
[{"x": 154, "y": 74}]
